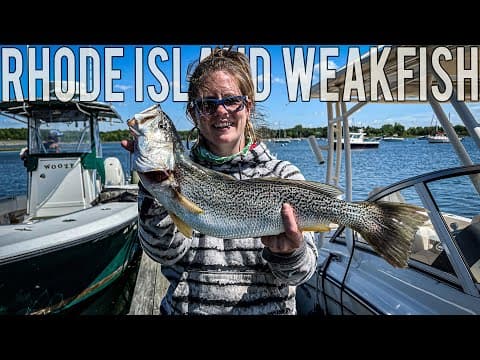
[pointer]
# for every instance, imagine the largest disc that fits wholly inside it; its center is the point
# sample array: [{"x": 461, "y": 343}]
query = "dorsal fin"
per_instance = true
[{"x": 323, "y": 188}]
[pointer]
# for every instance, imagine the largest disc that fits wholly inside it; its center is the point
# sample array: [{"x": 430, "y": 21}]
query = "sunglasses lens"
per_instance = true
[
  {"x": 232, "y": 104},
  {"x": 209, "y": 106}
]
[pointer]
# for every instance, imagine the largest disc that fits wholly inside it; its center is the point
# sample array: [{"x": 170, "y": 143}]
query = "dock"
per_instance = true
[{"x": 150, "y": 288}]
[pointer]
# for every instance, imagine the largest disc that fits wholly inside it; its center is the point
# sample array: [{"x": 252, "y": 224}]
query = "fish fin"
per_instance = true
[
  {"x": 221, "y": 176},
  {"x": 187, "y": 204},
  {"x": 181, "y": 226},
  {"x": 395, "y": 226},
  {"x": 317, "y": 228},
  {"x": 323, "y": 188}
]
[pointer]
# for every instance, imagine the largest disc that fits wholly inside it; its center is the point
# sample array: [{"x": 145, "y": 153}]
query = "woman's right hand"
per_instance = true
[{"x": 128, "y": 145}]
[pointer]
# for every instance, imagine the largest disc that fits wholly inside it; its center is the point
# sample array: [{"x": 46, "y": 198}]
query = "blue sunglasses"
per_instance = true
[{"x": 232, "y": 104}]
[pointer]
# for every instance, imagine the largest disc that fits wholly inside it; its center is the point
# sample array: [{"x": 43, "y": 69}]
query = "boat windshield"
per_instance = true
[{"x": 60, "y": 132}]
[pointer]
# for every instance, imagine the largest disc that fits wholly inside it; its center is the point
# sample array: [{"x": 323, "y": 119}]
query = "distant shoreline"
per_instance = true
[{"x": 12, "y": 145}]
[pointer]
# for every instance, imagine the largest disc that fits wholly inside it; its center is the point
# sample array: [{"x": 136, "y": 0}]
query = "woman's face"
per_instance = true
[{"x": 222, "y": 130}]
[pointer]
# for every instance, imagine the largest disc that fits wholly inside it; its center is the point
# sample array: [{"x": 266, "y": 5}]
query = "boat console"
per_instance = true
[{"x": 66, "y": 169}]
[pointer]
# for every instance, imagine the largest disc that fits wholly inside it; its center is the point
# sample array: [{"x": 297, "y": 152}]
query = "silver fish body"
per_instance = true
[
  {"x": 219, "y": 205},
  {"x": 245, "y": 208}
]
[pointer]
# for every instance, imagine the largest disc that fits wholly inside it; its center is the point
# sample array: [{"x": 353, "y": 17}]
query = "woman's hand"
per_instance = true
[
  {"x": 127, "y": 145},
  {"x": 288, "y": 241}
]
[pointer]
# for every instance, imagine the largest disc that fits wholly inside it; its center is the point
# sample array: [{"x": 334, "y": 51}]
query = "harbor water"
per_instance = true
[{"x": 389, "y": 163}]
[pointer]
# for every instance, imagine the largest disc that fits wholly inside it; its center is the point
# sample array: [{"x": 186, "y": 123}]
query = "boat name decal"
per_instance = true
[{"x": 59, "y": 166}]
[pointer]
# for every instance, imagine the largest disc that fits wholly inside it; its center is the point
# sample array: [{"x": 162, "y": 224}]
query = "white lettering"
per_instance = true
[
  {"x": 41, "y": 74},
  {"x": 112, "y": 74},
  {"x": 377, "y": 74},
  {"x": 92, "y": 89},
  {"x": 11, "y": 77},
  {"x": 255, "y": 54},
  {"x": 157, "y": 73},
  {"x": 447, "y": 86},
  {"x": 327, "y": 73},
  {"x": 66, "y": 53},
  {"x": 298, "y": 72},
  {"x": 354, "y": 67}
]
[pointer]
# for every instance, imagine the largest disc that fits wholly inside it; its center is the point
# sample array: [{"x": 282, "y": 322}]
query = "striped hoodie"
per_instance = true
[{"x": 211, "y": 276}]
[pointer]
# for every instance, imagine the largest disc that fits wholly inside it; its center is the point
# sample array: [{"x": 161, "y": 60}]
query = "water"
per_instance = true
[
  {"x": 385, "y": 165},
  {"x": 371, "y": 168}
]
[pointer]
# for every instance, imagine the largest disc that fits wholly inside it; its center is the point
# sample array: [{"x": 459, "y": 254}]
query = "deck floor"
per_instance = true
[{"x": 150, "y": 288}]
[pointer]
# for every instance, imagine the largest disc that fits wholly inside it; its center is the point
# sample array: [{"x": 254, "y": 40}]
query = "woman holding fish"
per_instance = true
[{"x": 214, "y": 275}]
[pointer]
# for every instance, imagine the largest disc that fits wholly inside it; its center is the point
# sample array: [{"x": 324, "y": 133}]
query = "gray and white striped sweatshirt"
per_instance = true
[{"x": 211, "y": 276}]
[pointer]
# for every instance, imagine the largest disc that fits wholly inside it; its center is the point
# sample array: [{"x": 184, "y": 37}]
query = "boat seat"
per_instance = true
[
  {"x": 468, "y": 240},
  {"x": 114, "y": 175},
  {"x": 424, "y": 239},
  {"x": 443, "y": 263}
]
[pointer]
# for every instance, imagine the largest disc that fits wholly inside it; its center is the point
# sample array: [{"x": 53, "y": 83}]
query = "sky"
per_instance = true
[{"x": 134, "y": 77}]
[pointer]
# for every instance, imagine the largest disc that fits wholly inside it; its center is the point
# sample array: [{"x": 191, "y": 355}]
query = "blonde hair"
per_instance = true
[{"x": 234, "y": 63}]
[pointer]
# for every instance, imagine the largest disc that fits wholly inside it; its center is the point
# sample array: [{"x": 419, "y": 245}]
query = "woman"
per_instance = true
[{"x": 209, "y": 275}]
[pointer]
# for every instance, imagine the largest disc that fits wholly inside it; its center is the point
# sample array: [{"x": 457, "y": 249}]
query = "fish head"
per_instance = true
[{"x": 155, "y": 146}]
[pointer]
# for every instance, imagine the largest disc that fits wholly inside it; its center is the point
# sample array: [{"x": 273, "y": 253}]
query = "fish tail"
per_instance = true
[{"x": 390, "y": 229}]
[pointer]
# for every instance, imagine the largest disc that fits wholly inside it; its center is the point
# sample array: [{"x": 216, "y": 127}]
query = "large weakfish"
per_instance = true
[{"x": 219, "y": 205}]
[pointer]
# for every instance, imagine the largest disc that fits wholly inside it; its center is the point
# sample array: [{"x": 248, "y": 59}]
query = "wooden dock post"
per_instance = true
[{"x": 150, "y": 288}]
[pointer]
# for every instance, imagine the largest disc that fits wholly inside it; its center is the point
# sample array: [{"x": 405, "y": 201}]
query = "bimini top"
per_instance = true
[{"x": 101, "y": 111}]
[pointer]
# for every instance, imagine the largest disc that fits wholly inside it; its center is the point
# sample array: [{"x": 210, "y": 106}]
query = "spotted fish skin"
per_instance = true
[{"x": 219, "y": 205}]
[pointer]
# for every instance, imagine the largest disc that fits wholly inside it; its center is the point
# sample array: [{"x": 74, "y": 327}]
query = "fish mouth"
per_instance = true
[{"x": 156, "y": 176}]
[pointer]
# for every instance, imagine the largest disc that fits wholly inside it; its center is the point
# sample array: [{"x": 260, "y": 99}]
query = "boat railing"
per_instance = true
[{"x": 438, "y": 237}]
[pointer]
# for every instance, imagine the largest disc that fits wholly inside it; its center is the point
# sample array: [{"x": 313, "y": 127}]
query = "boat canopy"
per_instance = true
[
  {"x": 101, "y": 111},
  {"x": 412, "y": 85}
]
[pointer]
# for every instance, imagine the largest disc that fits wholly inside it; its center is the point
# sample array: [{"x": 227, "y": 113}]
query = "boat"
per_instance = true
[
  {"x": 74, "y": 233},
  {"x": 358, "y": 140},
  {"x": 282, "y": 140},
  {"x": 394, "y": 137},
  {"x": 443, "y": 273},
  {"x": 438, "y": 138}
]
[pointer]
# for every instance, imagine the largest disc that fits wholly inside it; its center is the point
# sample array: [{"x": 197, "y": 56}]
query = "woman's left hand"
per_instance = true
[{"x": 289, "y": 240}]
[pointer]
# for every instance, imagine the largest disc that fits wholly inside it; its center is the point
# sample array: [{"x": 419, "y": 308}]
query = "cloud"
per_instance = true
[
  {"x": 277, "y": 80},
  {"x": 260, "y": 79},
  {"x": 331, "y": 65},
  {"x": 123, "y": 87}
]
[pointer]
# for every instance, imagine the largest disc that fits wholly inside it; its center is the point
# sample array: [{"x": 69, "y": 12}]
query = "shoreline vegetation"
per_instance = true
[{"x": 13, "y": 139}]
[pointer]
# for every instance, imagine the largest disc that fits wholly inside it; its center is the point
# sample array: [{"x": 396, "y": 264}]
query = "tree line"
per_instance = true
[{"x": 264, "y": 132}]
